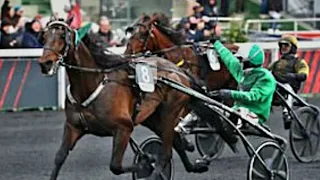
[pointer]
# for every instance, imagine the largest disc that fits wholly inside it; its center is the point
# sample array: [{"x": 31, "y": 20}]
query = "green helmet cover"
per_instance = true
[{"x": 256, "y": 55}]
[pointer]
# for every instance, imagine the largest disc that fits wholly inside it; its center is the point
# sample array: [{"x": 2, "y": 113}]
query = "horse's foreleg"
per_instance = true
[
  {"x": 70, "y": 137},
  {"x": 179, "y": 146},
  {"x": 169, "y": 116},
  {"x": 120, "y": 142}
]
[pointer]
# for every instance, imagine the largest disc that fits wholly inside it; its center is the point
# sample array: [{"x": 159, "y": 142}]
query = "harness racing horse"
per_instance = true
[
  {"x": 102, "y": 101},
  {"x": 154, "y": 34}
]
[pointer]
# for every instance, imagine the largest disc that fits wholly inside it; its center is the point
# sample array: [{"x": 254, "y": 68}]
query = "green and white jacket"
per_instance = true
[{"x": 256, "y": 86}]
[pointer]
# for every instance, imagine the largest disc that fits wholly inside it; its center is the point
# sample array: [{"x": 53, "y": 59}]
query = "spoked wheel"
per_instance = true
[
  {"x": 210, "y": 144},
  {"x": 152, "y": 147},
  {"x": 273, "y": 164},
  {"x": 304, "y": 137}
]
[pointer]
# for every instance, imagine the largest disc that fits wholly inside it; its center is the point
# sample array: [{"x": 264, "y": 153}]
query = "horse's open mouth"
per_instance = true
[{"x": 49, "y": 68}]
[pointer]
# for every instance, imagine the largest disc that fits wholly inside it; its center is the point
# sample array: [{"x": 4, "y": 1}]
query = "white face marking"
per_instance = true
[{"x": 53, "y": 70}]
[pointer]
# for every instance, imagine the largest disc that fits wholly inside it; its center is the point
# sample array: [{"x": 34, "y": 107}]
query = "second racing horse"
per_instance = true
[
  {"x": 101, "y": 100},
  {"x": 154, "y": 34}
]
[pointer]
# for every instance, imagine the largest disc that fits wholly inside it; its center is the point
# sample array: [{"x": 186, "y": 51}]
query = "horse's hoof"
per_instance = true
[
  {"x": 116, "y": 170},
  {"x": 200, "y": 168},
  {"x": 144, "y": 168}
]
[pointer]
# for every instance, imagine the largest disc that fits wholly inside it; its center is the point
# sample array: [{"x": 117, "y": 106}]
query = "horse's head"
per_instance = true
[
  {"x": 142, "y": 36},
  {"x": 58, "y": 39},
  {"x": 152, "y": 34}
]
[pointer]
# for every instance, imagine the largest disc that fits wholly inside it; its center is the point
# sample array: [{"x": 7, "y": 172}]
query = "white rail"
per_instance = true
[
  {"x": 295, "y": 22},
  {"x": 224, "y": 20}
]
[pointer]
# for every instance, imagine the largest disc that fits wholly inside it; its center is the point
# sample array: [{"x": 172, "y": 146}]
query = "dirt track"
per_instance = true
[{"x": 29, "y": 141}]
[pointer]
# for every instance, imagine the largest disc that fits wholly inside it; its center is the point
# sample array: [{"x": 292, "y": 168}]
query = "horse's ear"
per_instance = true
[
  {"x": 68, "y": 21},
  {"x": 129, "y": 29},
  {"x": 144, "y": 17},
  {"x": 53, "y": 17}
]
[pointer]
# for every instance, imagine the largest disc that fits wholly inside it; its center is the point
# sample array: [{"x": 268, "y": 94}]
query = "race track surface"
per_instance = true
[{"x": 29, "y": 141}]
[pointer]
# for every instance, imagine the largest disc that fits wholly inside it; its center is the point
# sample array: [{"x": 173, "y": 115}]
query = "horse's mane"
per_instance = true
[
  {"x": 161, "y": 19},
  {"x": 162, "y": 22},
  {"x": 102, "y": 56}
]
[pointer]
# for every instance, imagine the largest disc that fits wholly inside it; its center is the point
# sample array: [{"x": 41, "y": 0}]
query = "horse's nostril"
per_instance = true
[{"x": 48, "y": 63}]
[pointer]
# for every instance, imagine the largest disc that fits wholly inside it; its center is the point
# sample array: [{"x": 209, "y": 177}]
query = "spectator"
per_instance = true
[
  {"x": 6, "y": 9},
  {"x": 31, "y": 34},
  {"x": 195, "y": 33},
  {"x": 7, "y": 13},
  {"x": 210, "y": 7},
  {"x": 9, "y": 37},
  {"x": 190, "y": 5},
  {"x": 198, "y": 11},
  {"x": 210, "y": 30},
  {"x": 17, "y": 18},
  {"x": 264, "y": 8},
  {"x": 183, "y": 26},
  {"x": 239, "y": 6},
  {"x": 275, "y": 8},
  {"x": 224, "y": 8},
  {"x": 104, "y": 37},
  {"x": 74, "y": 11}
]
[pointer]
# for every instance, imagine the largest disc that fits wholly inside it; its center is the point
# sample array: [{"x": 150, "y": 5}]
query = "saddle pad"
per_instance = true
[
  {"x": 144, "y": 77},
  {"x": 213, "y": 60}
]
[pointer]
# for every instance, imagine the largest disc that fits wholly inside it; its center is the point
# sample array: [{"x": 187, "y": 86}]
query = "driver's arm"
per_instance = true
[
  {"x": 302, "y": 70},
  {"x": 262, "y": 89},
  {"x": 232, "y": 63}
]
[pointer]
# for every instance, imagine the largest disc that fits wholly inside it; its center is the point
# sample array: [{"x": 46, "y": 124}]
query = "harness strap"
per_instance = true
[{"x": 92, "y": 96}]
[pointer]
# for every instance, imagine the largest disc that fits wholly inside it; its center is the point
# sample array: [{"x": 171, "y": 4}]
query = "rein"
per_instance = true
[
  {"x": 141, "y": 54},
  {"x": 92, "y": 70}
]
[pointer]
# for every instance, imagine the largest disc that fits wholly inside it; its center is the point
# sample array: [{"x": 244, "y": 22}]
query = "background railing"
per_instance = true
[{"x": 295, "y": 22}]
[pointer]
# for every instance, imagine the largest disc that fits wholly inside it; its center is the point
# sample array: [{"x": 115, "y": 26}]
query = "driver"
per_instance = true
[
  {"x": 256, "y": 85},
  {"x": 290, "y": 69}
]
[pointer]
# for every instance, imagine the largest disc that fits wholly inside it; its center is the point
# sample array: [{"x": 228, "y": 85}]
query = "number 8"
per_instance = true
[{"x": 145, "y": 74}]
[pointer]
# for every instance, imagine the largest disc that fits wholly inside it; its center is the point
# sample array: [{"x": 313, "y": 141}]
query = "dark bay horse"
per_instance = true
[
  {"x": 102, "y": 102},
  {"x": 155, "y": 34}
]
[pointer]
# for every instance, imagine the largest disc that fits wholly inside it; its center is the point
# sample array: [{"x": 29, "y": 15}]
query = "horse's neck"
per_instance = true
[
  {"x": 178, "y": 55},
  {"x": 82, "y": 83},
  {"x": 163, "y": 41}
]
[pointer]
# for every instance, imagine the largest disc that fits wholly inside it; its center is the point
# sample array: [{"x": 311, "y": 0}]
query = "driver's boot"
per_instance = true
[{"x": 286, "y": 120}]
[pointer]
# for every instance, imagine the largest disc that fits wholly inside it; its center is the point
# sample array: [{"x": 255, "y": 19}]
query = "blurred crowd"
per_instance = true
[
  {"x": 18, "y": 31},
  {"x": 200, "y": 25}
]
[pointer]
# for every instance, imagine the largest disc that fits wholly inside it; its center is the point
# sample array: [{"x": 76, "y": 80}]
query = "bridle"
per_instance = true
[
  {"x": 67, "y": 36},
  {"x": 150, "y": 35}
]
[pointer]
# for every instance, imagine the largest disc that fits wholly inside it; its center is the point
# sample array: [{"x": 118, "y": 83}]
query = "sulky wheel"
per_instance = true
[
  {"x": 152, "y": 148},
  {"x": 304, "y": 137},
  {"x": 272, "y": 163},
  {"x": 210, "y": 144}
]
